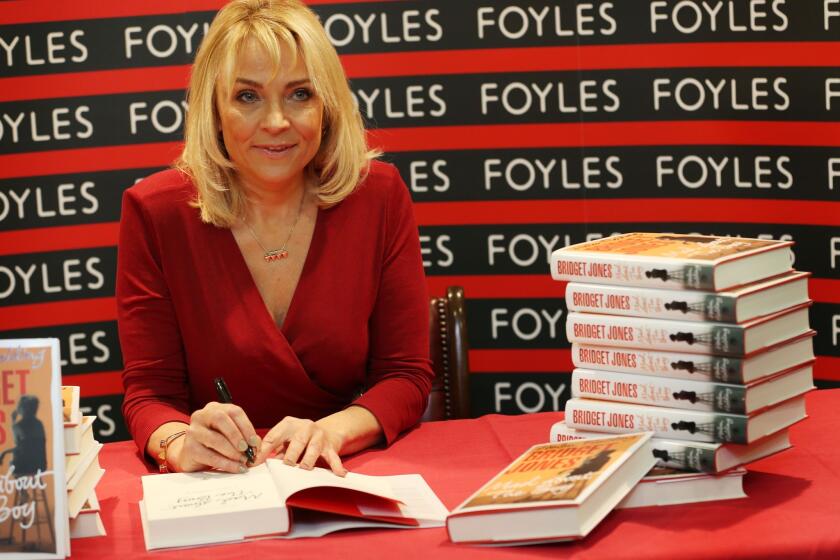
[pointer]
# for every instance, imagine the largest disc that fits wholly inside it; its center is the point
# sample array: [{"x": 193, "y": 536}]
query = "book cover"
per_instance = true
[
  {"x": 703, "y": 367},
  {"x": 675, "y": 423},
  {"x": 553, "y": 491},
  {"x": 724, "y": 339},
  {"x": 693, "y": 395},
  {"x": 666, "y": 260},
  {"x": 33, "y": 519},
  {"x": 731, "y": 306},
  {"x": 695, "y": 456}
]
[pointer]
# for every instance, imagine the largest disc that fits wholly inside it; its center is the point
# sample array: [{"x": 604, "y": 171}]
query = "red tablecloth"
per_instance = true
[{"x": 793, "y": 508}]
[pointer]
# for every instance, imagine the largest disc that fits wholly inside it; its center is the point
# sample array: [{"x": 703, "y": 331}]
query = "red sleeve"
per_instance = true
[
  {"x": 399, "y": 370},
  {"x": 154, "y": 374}
]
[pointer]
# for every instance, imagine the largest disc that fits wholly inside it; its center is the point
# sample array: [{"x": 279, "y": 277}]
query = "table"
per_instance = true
[{"x": 792, "y": 509}]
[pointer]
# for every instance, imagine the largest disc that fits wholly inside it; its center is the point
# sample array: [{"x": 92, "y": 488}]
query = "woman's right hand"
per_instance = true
[{"x": 217, "y": 438}]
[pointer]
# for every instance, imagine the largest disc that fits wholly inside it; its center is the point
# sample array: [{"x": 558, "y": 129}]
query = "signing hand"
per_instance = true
[
  {"x": 217, "y": 438},
  {"x": 303, "y": 442}
]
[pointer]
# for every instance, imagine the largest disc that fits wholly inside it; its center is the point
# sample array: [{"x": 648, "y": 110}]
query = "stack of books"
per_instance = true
[
  {"x": 82, "y": 470},
  {"x": 702, "y": 340}
]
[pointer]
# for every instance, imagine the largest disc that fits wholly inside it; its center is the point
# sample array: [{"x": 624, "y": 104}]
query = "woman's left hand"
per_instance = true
[{"x": 298, "y": 441}]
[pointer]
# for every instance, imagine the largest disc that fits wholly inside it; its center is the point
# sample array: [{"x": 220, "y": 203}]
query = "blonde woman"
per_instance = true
[{"x": 278, "y": 255}]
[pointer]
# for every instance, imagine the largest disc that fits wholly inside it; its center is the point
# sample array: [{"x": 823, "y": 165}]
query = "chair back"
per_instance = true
[{"x": 450, "y": 396}]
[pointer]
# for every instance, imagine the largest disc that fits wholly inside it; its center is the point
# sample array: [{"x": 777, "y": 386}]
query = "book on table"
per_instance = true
[
  {"x": 690, "y": 394},
  {"x": 88, "y": 523},
  {"x": 677, "y": 423},
  {"x": 735, "y": 305},
  {"x": 701, "y": 367},
  {"x": 85, "y": 478},
  {"x": 553, "y": 492},
  {"x": 79, "y": 436},
  {"x": 277, "y": 500},
  {"x": 34, "y": 520},
  {"x": 721, "y": 339},
  {"x": 70, "y": 403},
  {"x": 664, "y": 486},
  {"x": 680, "y": 261},
  {"x": 691, "y": 455}
]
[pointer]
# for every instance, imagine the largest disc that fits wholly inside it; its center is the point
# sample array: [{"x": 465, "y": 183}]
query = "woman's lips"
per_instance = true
[{"x": 274, "y": 149}]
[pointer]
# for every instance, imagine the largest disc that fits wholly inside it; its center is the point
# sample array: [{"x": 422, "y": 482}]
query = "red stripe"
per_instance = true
[
  {"x": 600, "y": 57},
  {"x": 520, "y": 361},
  {"x": 96, "y": 384},
  {"x": 499, "y": 286},
  {"x": 525, "y": 212},
  {"x": 667, "y": 133},
  {"x": 33, "y": 315},
  {"x": 432, "y": 63},
  {"x": 103, "y": 82},
  {"x": 824, "y": 290},
  {"x": 42, "y": 240},
  {"x": 497, "y": 212},
  {"x": 78, "y": 160},
  {"x": 630, "y": 133},
  {"x": 827, "y": 368},
  {"x": 30, "y": 12}
]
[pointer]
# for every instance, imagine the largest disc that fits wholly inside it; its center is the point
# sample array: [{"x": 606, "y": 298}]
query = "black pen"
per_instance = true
[{"x": 224, "y": 396}]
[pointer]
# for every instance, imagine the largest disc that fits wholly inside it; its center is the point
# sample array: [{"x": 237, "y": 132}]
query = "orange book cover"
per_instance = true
[{"x": 33, "y": 509}]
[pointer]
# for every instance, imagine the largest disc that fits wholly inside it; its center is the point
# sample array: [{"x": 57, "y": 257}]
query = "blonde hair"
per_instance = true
[{"x": 343, "y": 157}]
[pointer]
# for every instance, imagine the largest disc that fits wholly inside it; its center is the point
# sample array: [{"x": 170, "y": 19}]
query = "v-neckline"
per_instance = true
[{"x": 252, "y": 292}]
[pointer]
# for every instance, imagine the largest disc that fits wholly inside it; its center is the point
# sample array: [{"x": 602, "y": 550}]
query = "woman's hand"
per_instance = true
[
  {"x": 217, "y": 438},
  {"x": 302, "y": 442}
]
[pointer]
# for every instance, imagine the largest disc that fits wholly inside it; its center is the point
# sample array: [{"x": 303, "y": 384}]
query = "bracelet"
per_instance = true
[{"x": 164, "y": 445}]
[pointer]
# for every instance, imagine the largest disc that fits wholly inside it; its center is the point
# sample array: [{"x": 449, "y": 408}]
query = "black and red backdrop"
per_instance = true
[{"x": 519, "y": 126}]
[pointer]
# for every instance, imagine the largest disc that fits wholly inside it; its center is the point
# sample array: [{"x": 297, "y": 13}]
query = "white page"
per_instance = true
[
  {"x": 184, "y": 495},
  {"x": 290, "y": 479},
  {"x": 418, "y": 502}
]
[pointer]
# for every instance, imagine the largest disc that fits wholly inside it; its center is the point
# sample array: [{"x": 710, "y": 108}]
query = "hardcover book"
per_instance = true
[
  {"x": 722, "y": 339},
  {"x": 666, "y": 487},
  {"x": 190, "y": 509},
  {"x": 80, "y": 436},
  {"x": 553, "y": 491},
  {"x": 703, "y": 367},
  {"x": 731, "y": 306},
  {"x": 693, "y": 395},
  {"x": 89, "y": 521},
  {"x": 663, "y": 260},
  {"x": 34, "y": 522},
  {"x": 84, "y": 480},
  {"x": 692, "y": 455},
  {"x": 70, "y": 403},
  {"x": 676, "y": 423}
]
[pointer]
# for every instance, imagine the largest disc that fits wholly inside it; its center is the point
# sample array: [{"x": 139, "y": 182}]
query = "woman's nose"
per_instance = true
[{"x": 275, "y": 119}]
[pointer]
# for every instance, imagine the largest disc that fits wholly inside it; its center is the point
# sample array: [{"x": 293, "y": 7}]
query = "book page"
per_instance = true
[
  {"x": 418, "y": 502},
  {"x": 290, "y": 479},
  {"x": 184, "y": 495}
]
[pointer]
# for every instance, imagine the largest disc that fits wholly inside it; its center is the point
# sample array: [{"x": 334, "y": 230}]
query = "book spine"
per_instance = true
[
  {"x": 659, "y": 334},
  {"x": 700, "y": 367},
  {"x": 669, "y": 453},
  {"x": 659, "y": 391},
  {"x": 685, "y": 305},
  {"x": 603, "y": 269},
  {"x": 672, "y": 423}
]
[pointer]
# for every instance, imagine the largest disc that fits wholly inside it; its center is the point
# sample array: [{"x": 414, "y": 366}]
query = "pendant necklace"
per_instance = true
[{"x": 271, "y": 255}]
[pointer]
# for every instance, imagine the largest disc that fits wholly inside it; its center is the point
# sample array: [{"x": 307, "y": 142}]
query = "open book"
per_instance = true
[{"x": 276, "y": 500}]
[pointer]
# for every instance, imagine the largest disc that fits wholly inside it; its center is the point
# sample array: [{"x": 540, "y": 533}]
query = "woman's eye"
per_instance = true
[
  {"x": 301, "y": 94},
  {"x": 246, "y": 96}
]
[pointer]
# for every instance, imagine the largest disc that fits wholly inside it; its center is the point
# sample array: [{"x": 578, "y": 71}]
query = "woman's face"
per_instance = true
[{"x": 271, "y": 125}]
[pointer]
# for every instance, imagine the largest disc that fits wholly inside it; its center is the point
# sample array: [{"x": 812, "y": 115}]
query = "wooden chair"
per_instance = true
[{"x": 450, "y": 396}]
